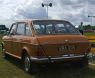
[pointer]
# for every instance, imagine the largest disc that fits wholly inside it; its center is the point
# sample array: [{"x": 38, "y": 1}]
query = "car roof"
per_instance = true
[{"x": 31, "y": 20}]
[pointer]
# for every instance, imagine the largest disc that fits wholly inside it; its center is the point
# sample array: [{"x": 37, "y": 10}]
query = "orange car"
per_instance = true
[{"x": 45, "y": 41}]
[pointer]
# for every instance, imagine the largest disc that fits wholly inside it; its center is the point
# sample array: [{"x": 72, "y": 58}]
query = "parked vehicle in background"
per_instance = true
[
  {"x": 92, "y": 41},
  {"x": 45, "y": 41},
  {"x": 3, "y": 29}
]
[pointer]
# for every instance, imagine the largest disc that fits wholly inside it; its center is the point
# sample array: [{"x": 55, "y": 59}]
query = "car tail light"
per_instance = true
[{"x": 88, "y": 50}]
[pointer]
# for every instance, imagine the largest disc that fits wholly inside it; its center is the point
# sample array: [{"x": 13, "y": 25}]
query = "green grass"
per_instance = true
[
  {"x": 9, "y": 70},
  {"x": 89, "y": 34}
]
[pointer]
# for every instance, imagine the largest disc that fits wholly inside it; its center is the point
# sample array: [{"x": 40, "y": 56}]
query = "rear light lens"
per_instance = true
[
  {"x": 88, "y": 50},
  {"x": 93, "y": 45}
]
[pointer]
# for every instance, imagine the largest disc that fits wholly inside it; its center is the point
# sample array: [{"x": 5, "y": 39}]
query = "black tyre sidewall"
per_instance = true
[{"x": 29, "y": 69}]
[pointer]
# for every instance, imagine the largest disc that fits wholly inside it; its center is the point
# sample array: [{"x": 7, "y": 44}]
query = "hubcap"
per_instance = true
[{"x": 27, "y": 63}]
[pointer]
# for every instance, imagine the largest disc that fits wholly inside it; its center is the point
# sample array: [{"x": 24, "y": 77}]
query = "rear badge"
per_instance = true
[{"x": 66, "y": 40}]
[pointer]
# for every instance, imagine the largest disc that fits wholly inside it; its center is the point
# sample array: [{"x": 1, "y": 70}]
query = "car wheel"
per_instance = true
[
  {"x": 27, "y": 63},
  {"x": 29, "y": 67},
  {"x": 5, "y": 56},
  {"x": 85, "y": 62},
  {"x": 82, "y": 63}
]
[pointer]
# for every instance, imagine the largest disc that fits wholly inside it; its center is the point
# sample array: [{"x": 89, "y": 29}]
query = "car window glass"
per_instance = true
[
  {"x": 40, "y": 29},
  {"x": 49, "y": 29},
  {"x": 13, "y": 30},
  {"x": 28, "y": 31},
  {"x": 21, "y": 29},
  {"x": 54, "y": 27},
  {"x": 70, "y": 28},
  {"x": 60, "y": 28}
]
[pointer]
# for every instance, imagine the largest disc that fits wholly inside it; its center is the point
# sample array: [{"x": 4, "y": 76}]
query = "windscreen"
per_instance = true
[{"x": 54, "y": 27}]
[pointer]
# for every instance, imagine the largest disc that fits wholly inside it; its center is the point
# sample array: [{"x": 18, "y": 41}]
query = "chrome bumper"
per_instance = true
[{"x": 51, "y": 59}]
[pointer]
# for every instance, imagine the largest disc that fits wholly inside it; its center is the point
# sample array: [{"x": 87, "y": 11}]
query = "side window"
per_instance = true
[
  {"x": 13, "y": 29},
  {"x": 60, "y": 28},
  {"x": 50, "y": 29},
  {"x": 40, "y": 29},
  {"x": 21, "y": 29},
  {"x": 28, "y": 31}
]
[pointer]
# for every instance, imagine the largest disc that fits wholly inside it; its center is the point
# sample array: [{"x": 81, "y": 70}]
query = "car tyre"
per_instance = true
[
  {"x": 29, "y": 67},
  {"x": 84, "y": 62}
]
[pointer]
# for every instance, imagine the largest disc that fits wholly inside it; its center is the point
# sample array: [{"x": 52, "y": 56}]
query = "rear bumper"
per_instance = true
[{"x": 56, "y": 59}]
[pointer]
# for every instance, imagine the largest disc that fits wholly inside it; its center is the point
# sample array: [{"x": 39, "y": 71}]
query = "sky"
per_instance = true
[{"x": 75, "y": 11}]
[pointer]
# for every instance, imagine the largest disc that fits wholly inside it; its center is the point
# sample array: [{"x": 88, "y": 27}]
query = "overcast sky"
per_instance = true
[{"x": 73, "y": 10}]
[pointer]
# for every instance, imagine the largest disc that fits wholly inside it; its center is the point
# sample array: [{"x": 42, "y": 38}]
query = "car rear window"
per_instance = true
[{"x": 54, "y": 27}]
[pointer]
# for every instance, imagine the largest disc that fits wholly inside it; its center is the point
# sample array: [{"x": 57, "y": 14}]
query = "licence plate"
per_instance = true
[{"x": 67, "y": 48}]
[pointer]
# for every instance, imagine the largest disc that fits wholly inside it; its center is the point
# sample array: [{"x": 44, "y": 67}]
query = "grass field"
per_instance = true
[
  {"x": 11, "y": 68},
  {"x": 89, "y": 34}
]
